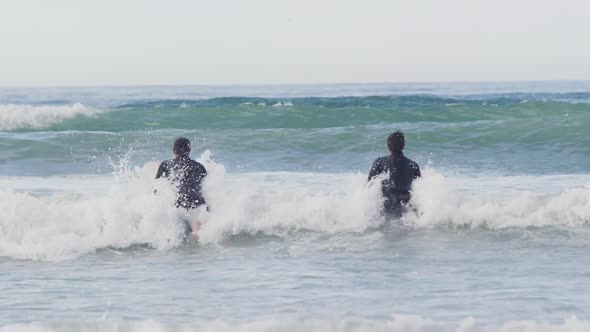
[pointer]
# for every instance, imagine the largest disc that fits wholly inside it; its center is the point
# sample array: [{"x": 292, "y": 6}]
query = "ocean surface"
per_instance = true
[{"x": 496, "y": 239}]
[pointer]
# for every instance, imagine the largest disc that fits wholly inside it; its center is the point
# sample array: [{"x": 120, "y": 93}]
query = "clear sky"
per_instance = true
[{"x": 120, "y": 42}]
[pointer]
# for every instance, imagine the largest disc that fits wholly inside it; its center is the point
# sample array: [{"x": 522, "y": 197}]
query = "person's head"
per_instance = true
[
  {"x": 182, "y": 147},
  {"x": 396, "y": 142}
]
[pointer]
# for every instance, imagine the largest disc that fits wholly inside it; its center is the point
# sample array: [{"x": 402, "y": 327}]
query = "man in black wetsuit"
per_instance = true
[
  {"x": 187, "y": 175},
  {"x": 402, "y": 172}
]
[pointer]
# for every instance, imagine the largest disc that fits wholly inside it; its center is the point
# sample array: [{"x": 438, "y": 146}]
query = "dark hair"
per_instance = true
[
  {"x": 396, "y": 141},
  {"x": 182, "y": 146}
]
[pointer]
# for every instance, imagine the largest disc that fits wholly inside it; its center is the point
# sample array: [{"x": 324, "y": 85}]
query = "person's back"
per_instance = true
[
  {"x": 402, "y": 173},
  {"x": 186, "y": 173}
]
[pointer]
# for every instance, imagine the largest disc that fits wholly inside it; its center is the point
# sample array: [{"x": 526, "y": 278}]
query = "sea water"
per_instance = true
[{"x": 496, "y": 238}]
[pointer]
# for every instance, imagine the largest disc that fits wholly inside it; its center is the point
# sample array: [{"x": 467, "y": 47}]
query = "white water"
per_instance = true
[
  {"x": 65, "y": 217},
  {"x": 15, "y": 116}
]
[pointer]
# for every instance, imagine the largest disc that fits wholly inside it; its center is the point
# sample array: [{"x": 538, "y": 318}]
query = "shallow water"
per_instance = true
[{"x": 495, "y": 241}]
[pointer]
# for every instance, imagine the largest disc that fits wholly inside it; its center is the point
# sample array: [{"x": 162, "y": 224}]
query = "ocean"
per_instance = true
[{"x": 496, "y": 238}]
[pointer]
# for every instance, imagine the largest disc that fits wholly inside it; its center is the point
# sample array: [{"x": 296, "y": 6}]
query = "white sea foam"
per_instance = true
[
  {"x": 439, "y": 200},
  {"x": 122, "y": 210},
  {"x": 333, "y": 203},
  {"x": 275, "y": 203},
  {"x": 281, "y": 103},
  {"x": 66, "y": 224},
  {"x": 14, "y": 116},
  {"x": 399, "y": 323}
]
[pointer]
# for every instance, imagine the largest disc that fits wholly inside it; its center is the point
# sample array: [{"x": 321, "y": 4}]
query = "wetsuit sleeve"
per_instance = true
[
  {"x": 199, "y": 172},
  {"x": 203, "y": 171},
  {"x": 376, "y": 169},
  {"x": 417, "y": 173},
  {"x": 162, "y": 170}
]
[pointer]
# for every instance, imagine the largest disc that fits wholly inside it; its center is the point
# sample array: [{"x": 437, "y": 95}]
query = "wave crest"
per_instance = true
[
  {"x": 13, "y": 116},
  {"x": 65, "y": 225},
  {"x": 61, "y": 225},
  {"x": 439, "y": 200}
]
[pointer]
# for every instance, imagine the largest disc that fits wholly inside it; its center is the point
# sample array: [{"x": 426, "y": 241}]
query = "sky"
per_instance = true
[{"x": 181, "y": 42}]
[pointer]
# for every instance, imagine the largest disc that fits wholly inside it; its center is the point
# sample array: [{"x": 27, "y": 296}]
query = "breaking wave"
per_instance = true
[
  {"x": 13, "y": 116},
  {"x": 66, "y": 224}
]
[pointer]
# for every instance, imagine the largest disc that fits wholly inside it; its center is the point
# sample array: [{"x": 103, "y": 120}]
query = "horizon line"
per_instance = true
[{"x": 221, "y": 85}]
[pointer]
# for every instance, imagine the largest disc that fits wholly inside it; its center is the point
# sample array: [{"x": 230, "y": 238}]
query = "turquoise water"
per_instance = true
[
  {"x": 496, "y": 240},
  {"x": 512, "y": 133}
]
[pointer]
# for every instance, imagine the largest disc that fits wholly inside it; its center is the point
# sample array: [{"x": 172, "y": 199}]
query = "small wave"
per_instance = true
[
  {"x": 399, "y": 323},
  {"x": 14, "y": 116}
]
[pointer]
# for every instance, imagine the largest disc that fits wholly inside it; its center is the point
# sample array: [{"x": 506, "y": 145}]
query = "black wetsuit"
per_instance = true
[
  {"x": 187, "y": 174},
  {"x": 396, "y": 190}
]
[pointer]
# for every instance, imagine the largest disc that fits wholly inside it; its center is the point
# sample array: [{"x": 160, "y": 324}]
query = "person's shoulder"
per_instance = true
[
  {"x": 164, "y": 169},
  {"x": 382, "y": 164},
  {"x": 197, "y": 164},
  {"x": 382, "y": 160},
  {"x": 166, "y": 163},
  {"x": 412, "y": 163}
]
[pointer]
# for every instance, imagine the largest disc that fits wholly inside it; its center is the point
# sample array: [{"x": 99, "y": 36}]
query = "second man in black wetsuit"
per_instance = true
[
  {"x": 187, "y": 174},
  {"x": 402, "y": 172}
]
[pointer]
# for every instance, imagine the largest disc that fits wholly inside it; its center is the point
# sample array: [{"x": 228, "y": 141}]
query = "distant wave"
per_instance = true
[
  {"x": 376, "y": 100},
  {"x": 307, "y": 112},
  {"x": 13, "y": 116},
  {"x": 399, "y": 323}
]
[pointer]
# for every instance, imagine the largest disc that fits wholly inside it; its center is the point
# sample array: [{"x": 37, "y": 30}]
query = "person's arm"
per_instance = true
[
  {"x": 202, "y": 175},
  {"x": 162, "y": 170},
  {"x": 203, "y": 172},
  {"x": 417, "y": 173},
  {"x": 376, "y": 169},
  {"x": 197, "y": 172}
]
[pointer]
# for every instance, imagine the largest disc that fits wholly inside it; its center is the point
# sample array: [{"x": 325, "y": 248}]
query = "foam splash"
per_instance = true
[
  {"x": 281, "y": 203},
  {"x": 124, "y": 211},
  {"x": 439, "y": 200},
  {"x": 337, "y": 203},
  {"x": 278, "y": 203},
  {"x": 66, "y": 225},
  {"x": 14, "y": 116},
  {"x": 399, "y": 323}
]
